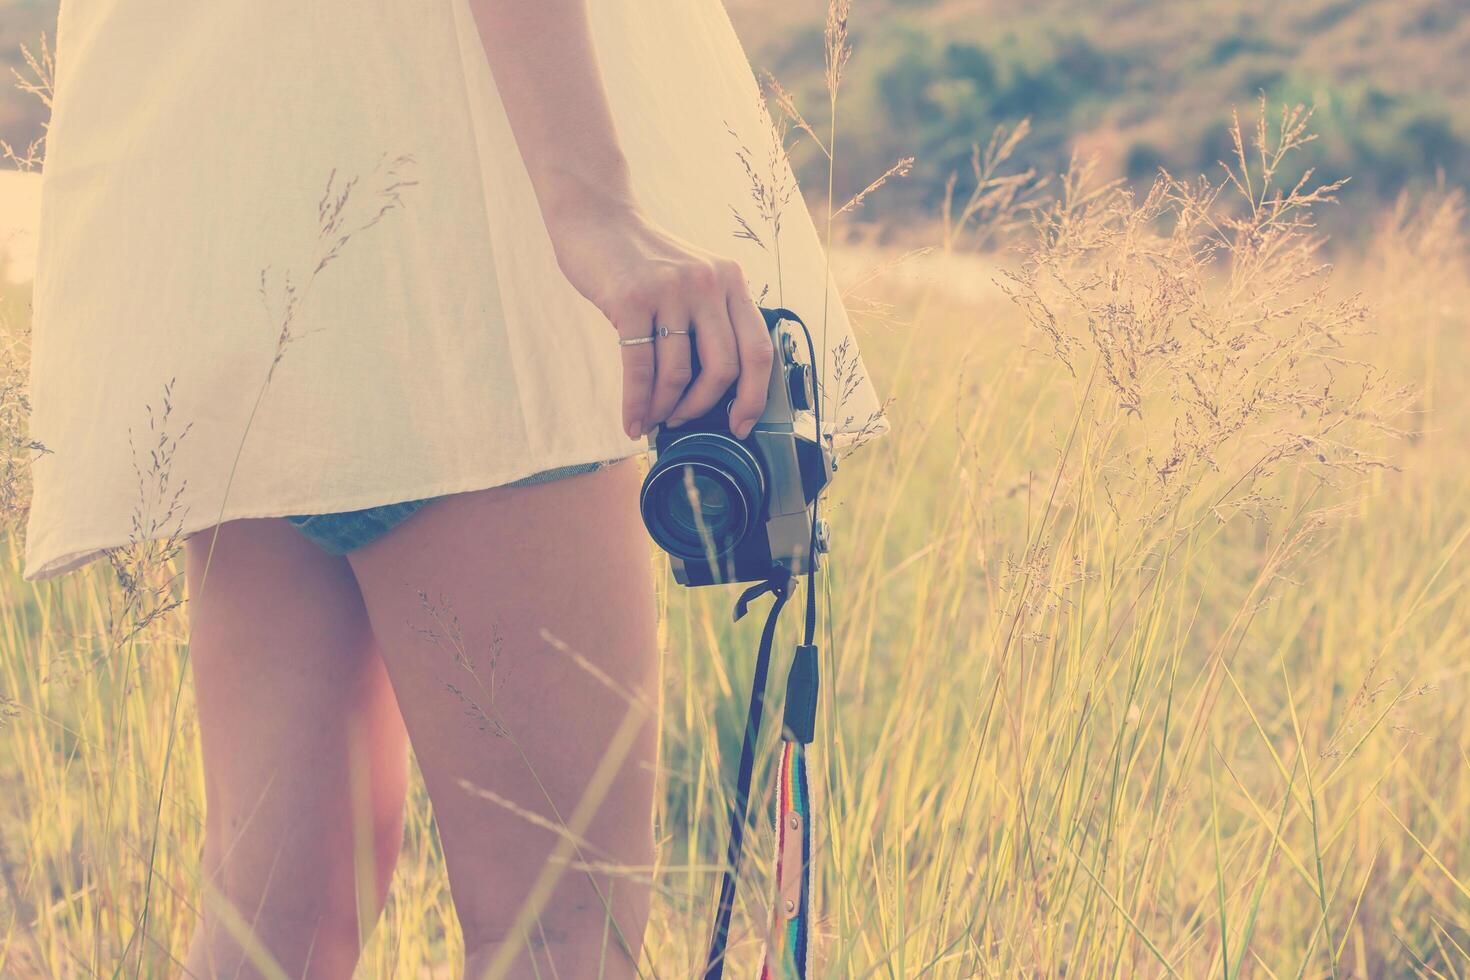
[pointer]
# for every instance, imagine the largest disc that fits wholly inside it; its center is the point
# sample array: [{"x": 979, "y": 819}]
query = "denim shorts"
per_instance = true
[{"x": 342, "y": 532}]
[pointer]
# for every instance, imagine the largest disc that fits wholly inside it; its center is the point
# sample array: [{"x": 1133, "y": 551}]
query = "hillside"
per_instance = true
[
  {"x": 1141, "y": 82},
  {"x": 1144, "y": 83},
  {"x": 21, "y": 23}
]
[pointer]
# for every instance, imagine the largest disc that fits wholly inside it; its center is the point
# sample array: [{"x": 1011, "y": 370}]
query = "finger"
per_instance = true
[
  {"x": 756, "y": 353},
  {"x": 638, "y": 372},
  {"x": 672, "y": 370},
  {"x": 719, "y": 360}
]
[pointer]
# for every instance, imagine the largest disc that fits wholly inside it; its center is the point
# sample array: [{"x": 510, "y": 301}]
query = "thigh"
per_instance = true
[
  {"x": 305, "y": 755},
  {"x": 483, "y": 603}
]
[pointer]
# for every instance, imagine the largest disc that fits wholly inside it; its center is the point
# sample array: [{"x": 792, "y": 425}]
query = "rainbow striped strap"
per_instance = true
[{"x": 787, "y": 954}]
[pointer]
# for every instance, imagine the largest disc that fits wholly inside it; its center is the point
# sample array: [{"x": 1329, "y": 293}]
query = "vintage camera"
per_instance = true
[{"x": 728, "y": 509}]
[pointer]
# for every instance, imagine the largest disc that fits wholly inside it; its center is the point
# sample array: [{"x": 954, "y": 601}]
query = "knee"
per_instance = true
[
  {"x": 387, "y": 843},
  {"x": 545, "y": 946},
  {"x": 316, "y": 936},
  {"x": 573, "y": 941},
  {"x": 319, "y": 876},
  {"x": 489, "y": 925}
]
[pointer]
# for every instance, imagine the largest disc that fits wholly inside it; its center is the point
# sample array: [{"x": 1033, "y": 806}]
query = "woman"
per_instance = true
[{"x": 325, "y": 290}]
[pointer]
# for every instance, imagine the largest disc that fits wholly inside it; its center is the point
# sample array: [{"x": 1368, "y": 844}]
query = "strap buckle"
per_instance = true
[{"x": 778, "y": 584}]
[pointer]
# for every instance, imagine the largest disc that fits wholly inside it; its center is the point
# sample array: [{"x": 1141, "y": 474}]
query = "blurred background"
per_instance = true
[
  {"x": 1141, "y": 83},
  {"x": 1149, "y": 650}
]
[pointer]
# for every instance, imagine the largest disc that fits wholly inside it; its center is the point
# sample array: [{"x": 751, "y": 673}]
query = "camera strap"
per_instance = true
[{"x": 786, "y": 948}]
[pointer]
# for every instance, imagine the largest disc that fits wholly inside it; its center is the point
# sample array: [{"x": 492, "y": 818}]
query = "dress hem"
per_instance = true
[
  {"x": 72, "y": 560},
  {"x": 76, "y": 558}
]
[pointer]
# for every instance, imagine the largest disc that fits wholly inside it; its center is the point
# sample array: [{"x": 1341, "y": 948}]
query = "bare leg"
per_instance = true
[
  {"x": 459, "y": 595},
  {"x": 304, "y": 753}
]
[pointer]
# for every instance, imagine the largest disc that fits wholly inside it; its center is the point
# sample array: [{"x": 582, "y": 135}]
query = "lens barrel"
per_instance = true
[{"x": 702, "y": 496}]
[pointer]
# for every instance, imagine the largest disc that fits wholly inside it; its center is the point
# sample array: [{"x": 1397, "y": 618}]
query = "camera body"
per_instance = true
[{"x": 729, "y": 509}]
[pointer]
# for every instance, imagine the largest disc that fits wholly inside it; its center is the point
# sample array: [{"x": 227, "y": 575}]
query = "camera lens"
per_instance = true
[
  {"x": 701, "y": 496},
  {"x": 705, "y": 501}
]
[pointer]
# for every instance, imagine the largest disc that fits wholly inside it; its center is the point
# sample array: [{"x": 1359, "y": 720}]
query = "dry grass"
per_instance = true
[{"x": 1146, "y": 644}]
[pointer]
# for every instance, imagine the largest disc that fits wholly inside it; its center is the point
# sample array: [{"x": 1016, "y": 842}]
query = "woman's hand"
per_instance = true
[
  {"x": 640, "y": 277},
  {"x": 637, "y": 274}
]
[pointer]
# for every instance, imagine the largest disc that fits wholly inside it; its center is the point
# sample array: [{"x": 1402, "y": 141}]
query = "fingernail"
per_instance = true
[
  {"x": 674, "y": 422},
  {"x": 745, "y": 428},
  {"x": 635, "y": 430}
]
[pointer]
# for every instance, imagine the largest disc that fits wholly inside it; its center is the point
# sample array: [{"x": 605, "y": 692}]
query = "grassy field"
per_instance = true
[{"x": 1146, "y": 645}]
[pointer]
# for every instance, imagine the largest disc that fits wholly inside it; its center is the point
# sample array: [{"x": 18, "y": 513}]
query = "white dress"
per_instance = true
[{"x": 195, "y": 359}]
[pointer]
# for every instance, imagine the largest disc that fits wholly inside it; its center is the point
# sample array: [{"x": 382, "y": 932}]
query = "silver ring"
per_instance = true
[
  {"x": 664, "y": 331},
  {"x": 632, "y": 341}
]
